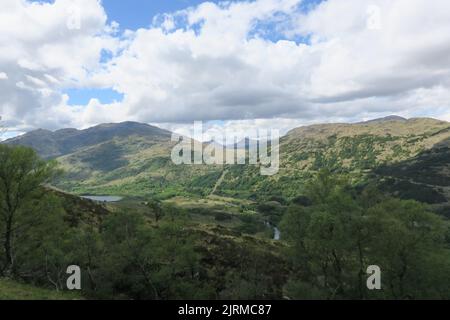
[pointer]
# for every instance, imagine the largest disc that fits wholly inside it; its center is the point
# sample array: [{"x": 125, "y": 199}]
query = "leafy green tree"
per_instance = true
[
  {"x": 272, "y": 211},
  {"x": 156, "y": 208},
  {"x": 172, "y": 212},
  {"x": 332, "y": 242},
  {"x": 42, "y": 252},
  {"x": 141, "y": 261},
  {"x": 127, "y": 259},
  {"x": 179, "y": 272},
  {"x": 22, "y": 175},
  {"x": 86, "y": 252},
  {"x": 408, "y": 241},
  {"x": 249, "y": 281}
]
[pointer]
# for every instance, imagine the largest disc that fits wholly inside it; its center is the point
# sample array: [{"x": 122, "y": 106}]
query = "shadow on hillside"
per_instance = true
[{"x": 425, "y": 178}]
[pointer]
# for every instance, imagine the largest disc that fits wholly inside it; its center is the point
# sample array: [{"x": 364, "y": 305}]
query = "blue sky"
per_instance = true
[
  {"x": 83, "y": 96},
  {"x": 135, "y": 14}
]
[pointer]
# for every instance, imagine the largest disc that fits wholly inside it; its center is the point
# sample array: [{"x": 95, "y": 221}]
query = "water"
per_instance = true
[
  {"x": 276, "y": 231},
  {"x": 103, "y": 198},
  {"x": 276, "y": 234}
]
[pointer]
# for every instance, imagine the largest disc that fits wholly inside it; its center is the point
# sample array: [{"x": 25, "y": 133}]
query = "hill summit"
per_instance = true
[
  {"x": 53, "y": 144},
  {"x": 386, "y": 119}
]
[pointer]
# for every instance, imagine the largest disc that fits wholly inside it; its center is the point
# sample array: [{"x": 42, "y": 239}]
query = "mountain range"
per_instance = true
[
  {"x": 53, "y": 144},
  {"x": 409, "y": 156}
]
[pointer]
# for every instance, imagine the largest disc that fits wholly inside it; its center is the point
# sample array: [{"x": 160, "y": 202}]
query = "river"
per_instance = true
[
  {"x": 276, "y": 231},
  {"x": 276, "y": 234}
]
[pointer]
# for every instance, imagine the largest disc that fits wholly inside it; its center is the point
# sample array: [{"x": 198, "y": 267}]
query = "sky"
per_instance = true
[{"x": 233, "y": 64}]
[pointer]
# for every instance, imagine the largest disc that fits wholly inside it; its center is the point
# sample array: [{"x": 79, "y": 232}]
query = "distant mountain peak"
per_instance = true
[
  {"x": 387, "y": 119},
  {"x": 129, "y": 125},
  {"x": 51, "y": 144},
  {"x": 40, "y": 131}
]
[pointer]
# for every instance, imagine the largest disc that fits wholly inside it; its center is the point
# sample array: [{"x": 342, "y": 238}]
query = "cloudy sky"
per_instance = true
[{"x": 235, "y": 64}]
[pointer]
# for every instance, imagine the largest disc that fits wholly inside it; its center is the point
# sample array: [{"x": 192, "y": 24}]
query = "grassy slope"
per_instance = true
[
  {"x": 131, "y": 166},
  {"x": 425, "y": 177},
  {"x": 355, "y": 148},
  {"x": 226, "y": 248},
  {"x": 219, "y": 241},
  {"x": 138, "y": 167},
  {"x": 11, "y": 290}
]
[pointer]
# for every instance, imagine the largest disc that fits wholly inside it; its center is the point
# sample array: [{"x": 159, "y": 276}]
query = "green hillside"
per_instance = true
[
  {"x": 351, "y": 148},
  {"x": 425, "y": 177},
  {"x": 314, "y": 245},
  {"x": 134, "y": 160}
]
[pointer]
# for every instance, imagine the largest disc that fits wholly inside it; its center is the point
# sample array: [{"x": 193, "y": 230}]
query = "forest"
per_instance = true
[{"x": 330, "y": 233}]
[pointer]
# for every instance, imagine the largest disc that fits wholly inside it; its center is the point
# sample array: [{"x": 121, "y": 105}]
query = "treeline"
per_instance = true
[
  {"x": 342, "y": 231},
  {"x": 329, "y": 237},
  {"x": 124, "y": 255}
]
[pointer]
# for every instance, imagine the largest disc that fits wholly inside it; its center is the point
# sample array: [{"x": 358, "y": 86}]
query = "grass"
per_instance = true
[
  {"x": 212, "y": 211},
  {"x": 12, "y": 290}
]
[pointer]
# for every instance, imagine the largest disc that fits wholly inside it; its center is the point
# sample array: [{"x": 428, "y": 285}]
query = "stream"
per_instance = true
[{"x": 276, "y": 231}]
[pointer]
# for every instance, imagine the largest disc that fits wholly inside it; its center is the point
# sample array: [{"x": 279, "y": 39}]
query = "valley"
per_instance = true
[
  {"x": 132, "y": 159},
  {"x": 129, "y": 163},
  {"x": 229, "y": 150},
  {"x": 226, "y": 231}
]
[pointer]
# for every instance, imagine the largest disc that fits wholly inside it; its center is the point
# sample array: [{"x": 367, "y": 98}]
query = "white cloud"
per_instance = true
[
  {"x": 410, "y": 50},
  {"x": 3, "y": 76},
  {"x": 363, "y": 58},
  {"x": 215, "y": 68},
  {"x": 41, "y": 56}
]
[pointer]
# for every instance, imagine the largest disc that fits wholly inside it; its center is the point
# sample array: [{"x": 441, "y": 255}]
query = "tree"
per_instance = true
[
  {"x": 43, "y": 247},
  {"x": 128, "y": 259},
  {"x": 408, "y": 241},
  {"x": 272, "y": 211},
  {"x": 172, "y": 212},
  {"x": 141, "y": 261},
  {"x": 22, "y": 175},
  {"x": 333, "y": 241},
  {"x": 156, "y": 207}
]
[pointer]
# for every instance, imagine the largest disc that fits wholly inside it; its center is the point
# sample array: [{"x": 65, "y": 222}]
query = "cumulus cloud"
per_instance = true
[
  {"x": 360, "y": 58},
  {"x": 406, "y": 48},
  {"x": 45, "y": 48},
  {"x": 262, "y": 62}
]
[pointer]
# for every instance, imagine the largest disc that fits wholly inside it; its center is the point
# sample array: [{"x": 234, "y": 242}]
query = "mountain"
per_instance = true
[
  {"x": 58, "y": 143},
  {"x": 134, "y": 159},
  {"x": 357, "y": 149},
  {"x": 361, "y": 146},
  {"x": 387, "y": 119},
  {"x": 124, "y": 158}
]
